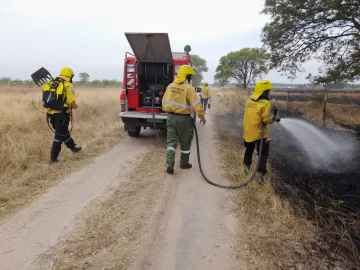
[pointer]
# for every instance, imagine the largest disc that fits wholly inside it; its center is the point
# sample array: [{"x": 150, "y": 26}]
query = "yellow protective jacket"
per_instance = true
[
  {"x": 256, "y": 113},
  {"x": 180, "y": 98},
  {"x": 69, "y": 94},
  {"x": 205, "y": 92}
]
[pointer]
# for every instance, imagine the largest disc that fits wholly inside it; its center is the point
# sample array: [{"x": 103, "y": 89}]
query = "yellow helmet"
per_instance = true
[
  {"x": 260, "y": 87},
  {"x": 66, "y": 71},
  {"x": 206, "y": 84},
  {"x": 184, "y": 71}
]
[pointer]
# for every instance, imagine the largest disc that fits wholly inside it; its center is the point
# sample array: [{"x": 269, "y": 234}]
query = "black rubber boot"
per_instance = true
[
  {"x": 260, "y": 178},
  {"x": 76, "y": 149},
  {"x": 55, "y": 161},
  {"x": 170, "y": 169},
  {"x": 185, "y": 166}
]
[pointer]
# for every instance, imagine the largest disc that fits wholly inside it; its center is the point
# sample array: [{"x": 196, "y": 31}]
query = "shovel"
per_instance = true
[{"x": 41, "y": 76}]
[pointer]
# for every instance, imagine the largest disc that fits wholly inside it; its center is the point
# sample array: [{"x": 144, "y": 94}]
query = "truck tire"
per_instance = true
[{"x": 135, "y": 133}]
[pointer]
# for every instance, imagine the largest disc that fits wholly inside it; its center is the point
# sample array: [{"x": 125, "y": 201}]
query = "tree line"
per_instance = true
[
  {"x": 7, "y": 81},
  {"x": 298, "y": 31}
]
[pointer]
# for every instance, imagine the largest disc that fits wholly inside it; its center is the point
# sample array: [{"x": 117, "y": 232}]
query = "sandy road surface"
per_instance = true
[
  {"x": 199, "y": 231},
  {"x": 192, "y": 228},
  {"x": 37, "y": 227}
]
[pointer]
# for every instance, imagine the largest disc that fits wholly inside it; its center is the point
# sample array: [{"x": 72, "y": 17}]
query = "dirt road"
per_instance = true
[{"x": 192, "y": 225}]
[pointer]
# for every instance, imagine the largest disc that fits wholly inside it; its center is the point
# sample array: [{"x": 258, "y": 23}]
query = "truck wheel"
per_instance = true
[{"x": 135, "y": 133}]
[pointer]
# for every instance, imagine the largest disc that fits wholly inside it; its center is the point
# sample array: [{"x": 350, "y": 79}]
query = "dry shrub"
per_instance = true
[{"x": 26, "y": 141}]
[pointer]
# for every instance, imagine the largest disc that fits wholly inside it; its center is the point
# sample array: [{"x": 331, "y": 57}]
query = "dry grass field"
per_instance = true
[
  {"x": 26, "y": 140},
  {"x": 336, "y": 114},
  {"x": 341, "y": 108}
]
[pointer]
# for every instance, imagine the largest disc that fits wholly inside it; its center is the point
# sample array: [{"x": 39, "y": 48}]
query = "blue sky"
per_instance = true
[{"x": 89, "y": 35}]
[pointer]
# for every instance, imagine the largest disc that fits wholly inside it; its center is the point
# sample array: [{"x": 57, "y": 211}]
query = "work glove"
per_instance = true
[{"x": 203, "y": 122}]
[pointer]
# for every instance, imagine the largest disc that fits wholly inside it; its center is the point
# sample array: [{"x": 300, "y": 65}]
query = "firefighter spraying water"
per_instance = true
[{"x": 256, "y": 118}]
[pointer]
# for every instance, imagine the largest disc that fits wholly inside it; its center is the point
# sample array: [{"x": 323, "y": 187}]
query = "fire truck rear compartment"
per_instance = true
[{"x": 153, "y": 77}]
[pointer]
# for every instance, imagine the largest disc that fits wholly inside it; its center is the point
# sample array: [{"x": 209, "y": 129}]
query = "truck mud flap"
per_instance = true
[{"x": 130, "y": 123}]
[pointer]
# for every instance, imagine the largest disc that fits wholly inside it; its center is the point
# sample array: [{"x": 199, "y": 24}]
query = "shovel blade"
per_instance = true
[{"x": 41, "y": 76}]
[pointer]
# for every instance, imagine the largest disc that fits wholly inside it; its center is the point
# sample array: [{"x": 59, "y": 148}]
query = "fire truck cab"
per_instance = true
[{"x": 147, "y": 72}]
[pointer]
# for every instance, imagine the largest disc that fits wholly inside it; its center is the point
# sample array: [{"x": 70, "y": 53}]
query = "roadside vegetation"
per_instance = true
[
  {"x": 346, "y": 115},
  {"x": 282, "y": 229},
  {"x": 83, "y": 80},
  {"x": 26, "y": 140}
]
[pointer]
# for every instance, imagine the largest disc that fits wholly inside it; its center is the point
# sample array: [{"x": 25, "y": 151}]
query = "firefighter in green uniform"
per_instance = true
[
  {"x": 59, "y": 98},
  {"x": 179, "y": 101}
]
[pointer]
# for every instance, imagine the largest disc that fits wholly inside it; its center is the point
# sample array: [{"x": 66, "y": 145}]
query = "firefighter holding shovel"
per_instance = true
[
  {"x": 179, "y": 101},
  {"x": 59, "y": 99},
  {"x": 258, "y": 113}
]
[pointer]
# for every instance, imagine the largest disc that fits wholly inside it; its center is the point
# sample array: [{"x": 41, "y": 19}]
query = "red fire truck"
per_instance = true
[{"x": 147, "y": 72}]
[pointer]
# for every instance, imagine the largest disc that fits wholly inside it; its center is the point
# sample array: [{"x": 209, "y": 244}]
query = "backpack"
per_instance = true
[{"x": 53, "y": 99}]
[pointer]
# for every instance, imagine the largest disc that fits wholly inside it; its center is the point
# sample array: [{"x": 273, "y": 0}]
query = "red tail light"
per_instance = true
[{"x": 122, "y": 101}]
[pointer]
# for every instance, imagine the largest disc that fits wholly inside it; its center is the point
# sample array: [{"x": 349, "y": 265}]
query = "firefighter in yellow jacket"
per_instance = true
[
  {"x": 258, "y": 112},
  {"x": 205, "y": 95},
  {"x": 179, "y": 101},
  {"x": 58, "y": 110}
]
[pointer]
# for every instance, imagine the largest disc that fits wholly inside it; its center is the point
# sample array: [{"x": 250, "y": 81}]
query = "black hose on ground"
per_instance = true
[{"x": 251, "y": 178}]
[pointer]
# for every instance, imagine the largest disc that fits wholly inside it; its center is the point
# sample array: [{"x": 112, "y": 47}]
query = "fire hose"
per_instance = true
[
  {"x": 71, "y": 122},
  {"x": 251, "y": 178}
]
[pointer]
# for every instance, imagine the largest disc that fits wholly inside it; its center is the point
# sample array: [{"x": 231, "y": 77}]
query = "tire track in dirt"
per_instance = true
[{"x": 36, "y": 228}]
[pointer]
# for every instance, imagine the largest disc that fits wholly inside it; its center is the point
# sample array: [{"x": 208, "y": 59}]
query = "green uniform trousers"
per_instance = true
[{"x": 179, "y": 128}]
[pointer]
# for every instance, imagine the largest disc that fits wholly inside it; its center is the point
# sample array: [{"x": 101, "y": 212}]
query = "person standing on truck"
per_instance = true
[
  {"x": 205, "y": 95},
  {"x": 179, "y": 101},
  {"x": 58, "y": 111},
  {"x": 258, "y": 113}
]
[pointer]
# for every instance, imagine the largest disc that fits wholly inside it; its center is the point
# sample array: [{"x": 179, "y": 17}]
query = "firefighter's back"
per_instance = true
[
  {"x": 253, "y": 119},
  {"x": 174, "y": 100}
]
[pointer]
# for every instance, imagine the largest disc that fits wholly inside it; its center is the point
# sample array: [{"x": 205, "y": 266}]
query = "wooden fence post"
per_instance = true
[
  {"x": 324, "y": 107},
  {"x": 287, "y": 103}
]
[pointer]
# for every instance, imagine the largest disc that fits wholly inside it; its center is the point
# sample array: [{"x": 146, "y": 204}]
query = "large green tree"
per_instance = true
[
  {"x": 84, "y": 77},
  {"x": 200, "y": 66},
  {"x": 243, "y": 66},
  {"x": 327, "y": 30}
]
